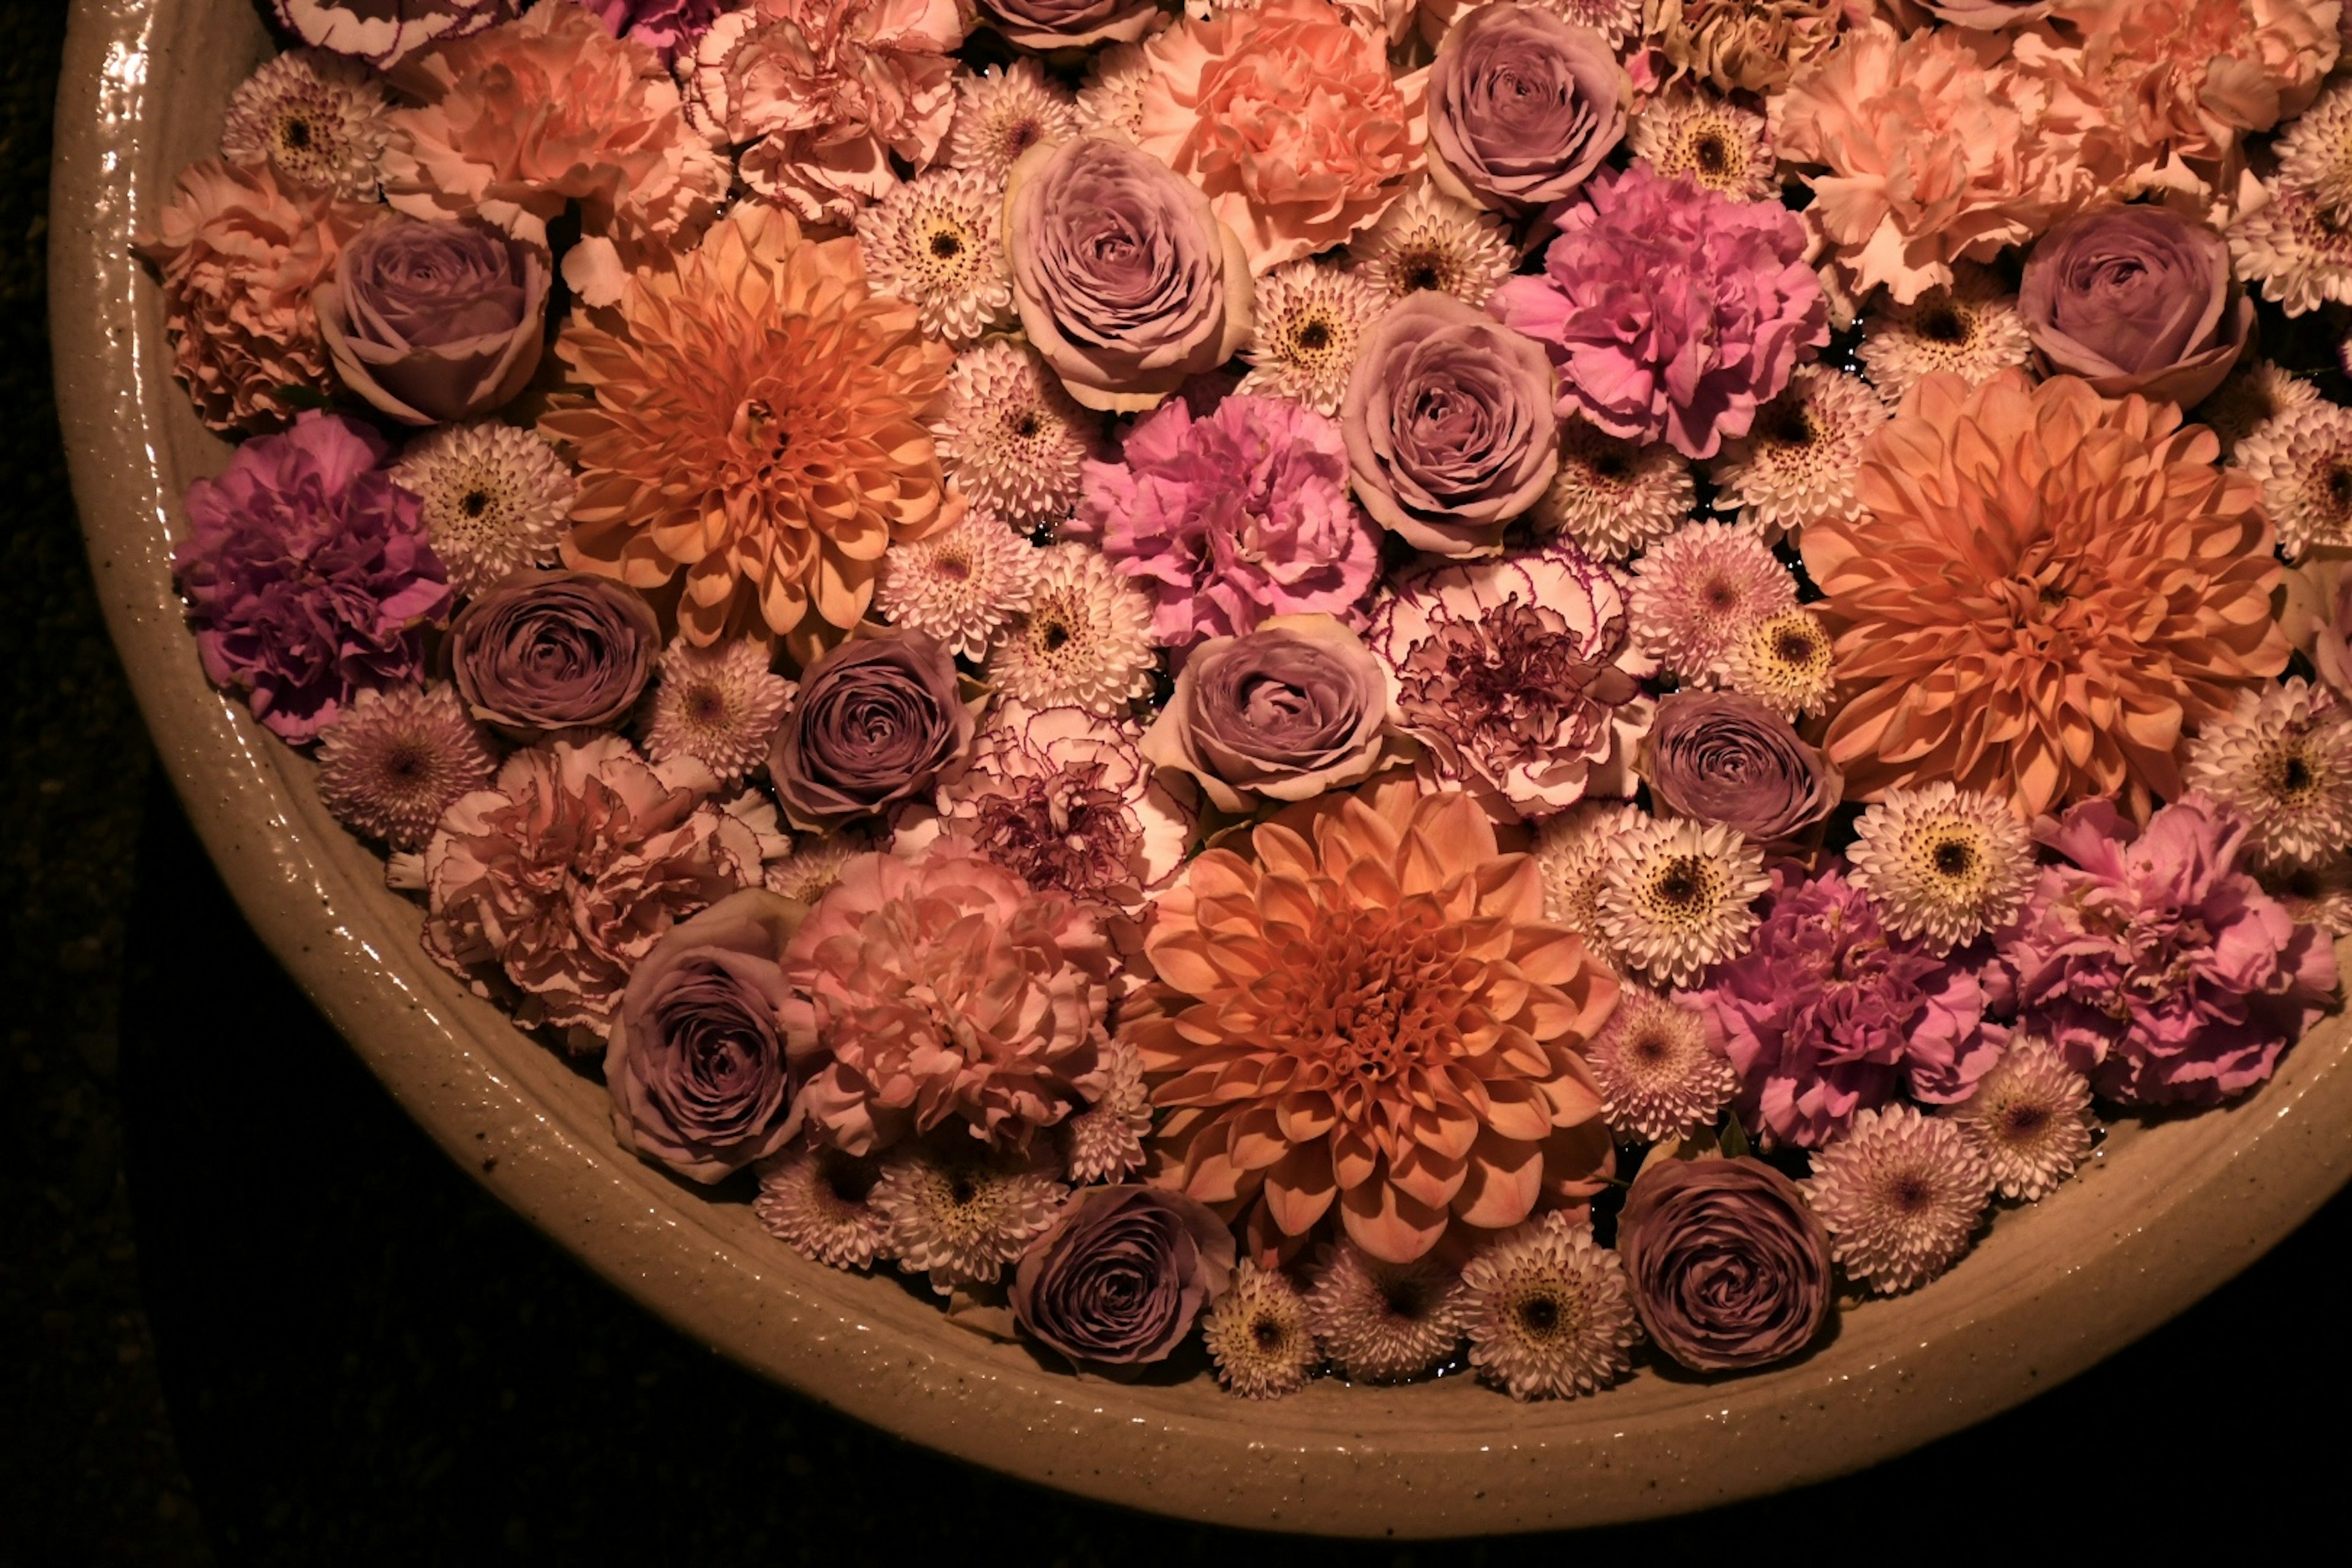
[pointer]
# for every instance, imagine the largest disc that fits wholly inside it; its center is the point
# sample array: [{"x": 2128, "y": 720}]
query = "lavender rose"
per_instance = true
[
  {"x": 1721, "y": 757},
  {"x": 1295, "y": 708},
  {"x": 1121, "y": 1276},
  {"x": 696, "y": 1060},
  {"x": 1070, "y": 23},
  {"x": 1730, "y": 1269},
  {"x": 1126, "y": 281},
  {"x": 877, "y": 721},
  {"x": 1450, "y": 427},
  {"x": 434, "y": 322},
  {"x": 549, "y": 651},
  {"x": 2136, "y": 299},
  {"x": 1522, "y": 107}
]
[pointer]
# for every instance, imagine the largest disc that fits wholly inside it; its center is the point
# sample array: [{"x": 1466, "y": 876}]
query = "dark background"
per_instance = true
[{"x": 250, "y": 1314}]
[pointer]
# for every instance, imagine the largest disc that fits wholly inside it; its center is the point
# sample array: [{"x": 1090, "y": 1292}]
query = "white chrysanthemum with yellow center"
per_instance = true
[
  {"x": 961, "y": 585},
  {"x": 936, "y": 242},
  {"x": 496, "y": 499},
  {"x": 2281, "y": 761},
  {"x": 2303, "y": 460},
  {"x": 1686, "y": 134},
  {"x": 1548, "y": 1313},
  {"x": 1678, "y": 897},
  {"x": 2315, "y": 152},
  {"x": 1430, "y": 240},
  {"x": 1613, "y": 496},
  {"x": 319, "y": 120},
  {"x": 1572, "y": 851},
  {"x": 1798, "y": 462},
  {"x": 961, "y": 1221},
  {"x": 1258, "y": 1334},
  {"x": 1942, "y": 864},
  {"x": 1970, "y": 329},
  {"x": 1010, "y": 438},
  {"x": 1111, "y": 101},
  {"x": 1310, "y": 319},
  {"x": 1085, "y": 642},
  {"x": 809, "y": 872},
  {"x": 1786, "y": 661}
]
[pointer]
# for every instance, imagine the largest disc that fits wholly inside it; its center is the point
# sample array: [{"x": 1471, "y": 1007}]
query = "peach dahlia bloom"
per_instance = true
[
  {"x": 1289, "y": 119},
  {"x": 755, "y": 419},
  {"x": 2043, "y": 595},
  {"x": 1370, "y": 1015}
]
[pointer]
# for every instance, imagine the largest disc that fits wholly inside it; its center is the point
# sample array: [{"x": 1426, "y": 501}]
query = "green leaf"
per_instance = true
[
  {"x": 1734, "y": 1138},
  {"x": 305, "y": 397}
]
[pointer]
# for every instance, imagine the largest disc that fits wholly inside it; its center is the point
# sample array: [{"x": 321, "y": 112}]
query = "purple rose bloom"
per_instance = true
[
  {"x": 434, "y": 322},
  {"x": 1119, "y": 1279},
  {"x": 696, "y": 1060},
  {"x": 1450, "y": 427},
  {"x": 308, "y": 575},
  {"x": 549, "y": 651},
  {"x": 877, "y": 721},
  {"x": 1721, "y": 757},
  {"x": 662, "y": 26},
  {"x": 385, "y": 32},
  {"x": 1045, "y": 24},
  {"x": 1296, "y": 708},
  {"x": 1126, "y": 281},
  {"x": 1730, "y": 1269},
  {"x": 2136, "y": 299},
  {"x": 1522, "y": 108}
]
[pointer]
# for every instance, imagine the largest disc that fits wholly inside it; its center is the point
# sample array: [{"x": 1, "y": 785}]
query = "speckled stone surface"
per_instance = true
[{"x": 2168, "y": 1211}]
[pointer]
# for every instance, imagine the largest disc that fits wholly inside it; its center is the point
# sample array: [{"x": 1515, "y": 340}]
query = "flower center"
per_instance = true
[
  {"x": 1796, "y": 647},
  {"x": 407, "y": 762},
  {"x": 1540, "y": 1316},
  {"x": 1267, "y": 1334},
  {"x": 475, "y": 502},
  {"x": 1709, "y": 152},
  {"x": 706, "y": 707},
  {"x": 1314, "y": 335},
  {"x": 1025, "y": 425},
  {"x": 2021, "y": 1122},
  {"x": 946, "y": 244},
  {"x": 1941, "y": 324},
  {"x": 1407, "y": 1298},
  {"x": 1421, "y": 272},
  {"x": 1681, "y": 883},
  {"x": 1955, "y": 858},
  {"x": 1909, "y": 1191},
  {"x": 297, "y": 135}
]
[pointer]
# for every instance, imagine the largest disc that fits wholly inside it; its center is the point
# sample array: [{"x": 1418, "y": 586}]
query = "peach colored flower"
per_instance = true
[
  {"x": 2044, "y": 594},
  {"x": 1288, "y": 118},
  {"x": 825, "y": 93},
  {"x": 239, "y": 255},
  {"x": 519, "y": 120},
  {"x": 1751, "y": 44},
  {"x": 756, "y": 418},
  {"x": 1369, "y": 1013}
]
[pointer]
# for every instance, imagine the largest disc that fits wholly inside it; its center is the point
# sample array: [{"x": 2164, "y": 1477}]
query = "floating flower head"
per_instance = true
[
  {"x": 2281, "y": 761},
  {"x": 961, "y": 585},
  {"x": 1901, "y": 1195},
  {"x": 1660, "y": 1068},
  {"x": 933, "y": 241},
  {"x": 962, "y": 1215},
  {"x": 1730, "y": 1271},
  {"x": 1311, "y": 320},
  {"x": 1796, "y": 464},
  {"x": 1086, "y": 640},
  {"x": 1434, "y": 241},
  {"x": 315, "y": 119},
  {"x": 753, "y": 421},
  {"x": 1942, "y": 865},
  {"x": 818, "y": 1202},
  {"x": 876, "y": 726},
  {"x": 1675, "y": 898},
  {"x": 1010, "y": 436},
  {"x": 394, "y": 760},
  {"x": 717, "y": 705},
  {"x": 2303, "y": 460},
  {"x": 1382, "y": 1321},
  {"x": 2078, "y": 567},
  {"x": 1612, "y": 498},
  {"x": 1259, "y": 1334},
  {"x": 1717, "y": 756},
  {"x": 1001, "y": 111},
  {"x": 1686, "y": 134},
  {"x": 1787, "y": 662},
  {"x": 1548, "y": 1312},
  {"x": 1699, "y": 591},
  {"x": 2031, "y": 1119},
  {"x": 1387, "y": 975},
  {"x": 1122, "y": 1275},
  {"x": 1969, "y": 328},
  {"x": 496, "y": 499}
]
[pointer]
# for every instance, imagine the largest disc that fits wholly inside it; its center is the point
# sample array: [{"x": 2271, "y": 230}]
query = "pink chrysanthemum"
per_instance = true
[
  {"x": 2282, "y": 761},
  {"x": 1001, "y": 111},
  {"x": 819, "y": 1202},
  {"x": 1549, "y": 1311},
  {"x": 1310, "y": 319},
  {"x": 1671, "y": 312},
  {"x": 1231, "y": 517},
  {"x": 1612, "y": 498},
  {"x": 1900, "y": 1194},
  {"x": 2031, "y": 1119},
  {"x": 1686, "y": 134},
  {"x": 1380, "y": 1323},
  {"x": 962, "y": 1219},
  {"x": 496, "y": 499},
  {"x": 1010, "y": 438},
  {"x": 2254, "y": 395},
  {"x": 2283, "y": 239},
  {"x": 1699, "y": 589},
  {"x": 1430, "y": 240},
  {"x": 394, "y": 760},
  {"x": 1661, "y": 1071},
  {"x": 718, "y": 704},
  {"x": 1111, "y": 101},
  {"x": 1799, "y": 462},
  {"x": 1259, "y": 1336},
  {"x": 961, "y": 585},
  {"x": 809, "y": 872}
]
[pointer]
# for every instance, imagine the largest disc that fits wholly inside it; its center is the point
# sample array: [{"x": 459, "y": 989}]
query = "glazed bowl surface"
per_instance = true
[{"x": 2167, "y": 1210}]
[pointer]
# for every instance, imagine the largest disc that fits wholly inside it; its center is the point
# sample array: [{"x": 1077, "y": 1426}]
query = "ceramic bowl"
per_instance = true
[{"x": 2167, "y": 1211}]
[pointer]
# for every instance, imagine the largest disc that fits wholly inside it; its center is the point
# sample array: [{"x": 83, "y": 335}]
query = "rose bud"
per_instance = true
[
  {"x": 549, "y": 651},
  {"x": 1718, "y": 756},
  {"x": 1045, "y": 24},
  {"x": 877, "y": 721},
  {"x": 2136, "y": 299},
  {"x": 1730, "y": 1269},
  {"x": 434, "y": 322},
  {"x": 1522, "y": 107},
  {"x": 1119, "y": 1279}
]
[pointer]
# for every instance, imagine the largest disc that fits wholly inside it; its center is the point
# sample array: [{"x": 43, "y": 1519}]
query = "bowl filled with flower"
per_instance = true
[{"x": 1383, "y": 769}]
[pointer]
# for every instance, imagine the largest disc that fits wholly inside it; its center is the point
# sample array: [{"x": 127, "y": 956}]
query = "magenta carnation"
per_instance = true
[
  {"x": 1232, "y": 517},
  {"x": 308, "y": 575},
  {"x": 2161, "y": 969},
  {"x": 1826, "y": 1016},
  {"x": 1670, "y": 311}
]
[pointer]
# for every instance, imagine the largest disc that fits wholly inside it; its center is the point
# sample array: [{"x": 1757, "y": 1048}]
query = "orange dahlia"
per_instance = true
[
  {"x": 756, "y": 419},
  {"x": 2043, "y": 595},
  {"x": 1370, "y": 1014}
]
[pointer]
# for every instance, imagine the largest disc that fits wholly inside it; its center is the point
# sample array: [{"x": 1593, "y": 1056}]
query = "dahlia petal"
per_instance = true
[
  {"x": 1389, "y": 1224},
  {"x": 1503, "y": 1181},
  {"x": 1300, "y": 1189}
]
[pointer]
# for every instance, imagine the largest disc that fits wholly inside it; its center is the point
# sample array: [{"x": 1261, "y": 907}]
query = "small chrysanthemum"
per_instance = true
[
  {"x": 1697, "y": 591},
  {"x": 960, "y": 586},
  {"x": 1686, "y": 134},
  {"x": 1549, "y": 1311},
  {"x": 1942, "y": 864},
  {"x": 1258, "y": 1334},
  {"x": 1675, "y": 898},
  {"x": 1382, "y": 1321},
  {"x": 1970, "y": 329},
  {"x": 2303, "y": 460},
  {"x": 1786, "y": 661},
  {"x": 2031, "y": 1118},
  {"x": 1900, "y": 1196},
  {"x": 1615, "y": 20},
  {"x": 2254, "y": 395},
  {"x": 393, "y": 762},
  {"x": 1086, "y": 641},
  {"x": 719, "y": 705},
  {"x": 318, "y": 119},
  {"x": 935, "y": 242},
  {"x": 1001, "y": 111},
  {"x": 1613, "y": 496},
  {"x": 497, "y": 498},
  {"x": 1111, "y": 103},
  {"x": 2281, "y": 761},
  {"x": 961, "y": 1220},
  {"x": 1104, "y": 1141},
  {"x": 809, "y": 872},
  {"x": 1310, "y": 319},
  {"x": 818, "y": 1202},
  {"x": 1796, "y": 464},
  {"x": 1010, "y": 438},
  {"x": 1429, "y": 240},
  {"x": 2286, "y": 240},
  {"x": 1572, "y": 851},
  {"x": 2315, "y": 152},
  {"x": 1660, "y": 1076}
]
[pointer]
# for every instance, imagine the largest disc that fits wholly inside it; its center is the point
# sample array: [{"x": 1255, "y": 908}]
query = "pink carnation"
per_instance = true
[
  {"x": 1670, "y": 311},
  {"x": 308, "y": 575},
  {"x": 665, "y": 27},
  {"x": 2161, "y": 969},
  {"x": 825, "y": 93},
  {"x": 1826, "y": 1016},
  {"x": 568, "y": 869},
  {"x": 1232, "y": 517},
  {"x": 940, "y": 990}
]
